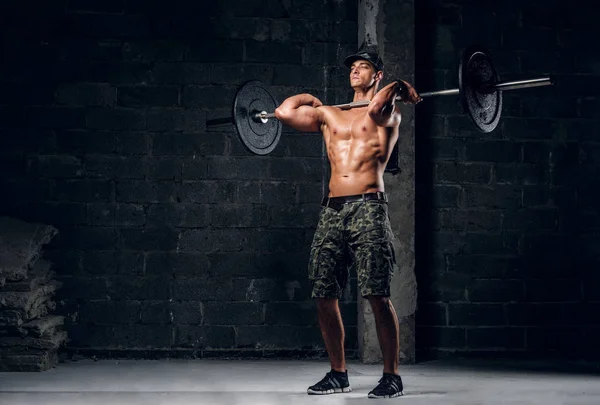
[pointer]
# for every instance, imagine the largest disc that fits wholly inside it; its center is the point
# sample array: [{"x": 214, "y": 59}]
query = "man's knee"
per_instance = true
[
  {"x": 378, "y": 301},
  {"x": 325, "y": 304}
]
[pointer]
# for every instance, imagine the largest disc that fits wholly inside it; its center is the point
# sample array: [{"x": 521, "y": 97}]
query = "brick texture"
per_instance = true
[
  {"x": 172, "y": 236},
  {"x": 512, "y": 215}
]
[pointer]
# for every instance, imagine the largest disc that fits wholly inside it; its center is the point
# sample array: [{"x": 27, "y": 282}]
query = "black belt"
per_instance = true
[{"x": 337, "y": 203}]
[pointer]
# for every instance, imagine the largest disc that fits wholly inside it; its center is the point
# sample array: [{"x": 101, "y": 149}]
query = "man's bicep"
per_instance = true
[
  {"x": 390, "y": 121},
  {"x": 395, "y": 119},
  {"x": 308, "y": 119}
]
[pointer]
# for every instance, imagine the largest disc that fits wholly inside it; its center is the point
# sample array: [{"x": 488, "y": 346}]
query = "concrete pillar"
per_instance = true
[{"x": 388, "y": 26}]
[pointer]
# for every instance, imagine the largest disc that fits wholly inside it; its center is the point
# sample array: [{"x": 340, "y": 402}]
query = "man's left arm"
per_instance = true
[{"x": 383, "y": 110}]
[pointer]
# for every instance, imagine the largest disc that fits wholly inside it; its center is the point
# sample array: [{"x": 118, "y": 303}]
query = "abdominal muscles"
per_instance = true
[{"x": 357, "y": 164}]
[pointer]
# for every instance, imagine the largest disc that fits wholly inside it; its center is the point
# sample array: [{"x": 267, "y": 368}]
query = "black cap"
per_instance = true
[{"x": 364, "y": 55}]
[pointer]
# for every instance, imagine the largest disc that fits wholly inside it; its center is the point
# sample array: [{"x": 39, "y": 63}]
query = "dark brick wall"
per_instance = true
[
  {"x": 173, "y": 238},
  {"x": 508, "y": 225}
]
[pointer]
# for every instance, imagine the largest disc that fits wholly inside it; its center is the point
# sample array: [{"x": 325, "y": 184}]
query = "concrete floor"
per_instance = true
[{"x": 232, "y": 382}]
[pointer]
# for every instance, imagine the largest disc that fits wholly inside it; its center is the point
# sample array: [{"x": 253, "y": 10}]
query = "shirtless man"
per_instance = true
[{"x": 354, "y": 226}]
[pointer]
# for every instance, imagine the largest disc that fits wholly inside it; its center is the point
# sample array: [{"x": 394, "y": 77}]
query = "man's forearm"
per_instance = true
[
  {"x": 298, "y": 100},
  {"x": 382, "y": 106}
]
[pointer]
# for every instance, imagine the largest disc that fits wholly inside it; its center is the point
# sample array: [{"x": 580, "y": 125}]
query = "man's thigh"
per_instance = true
[
  {"x": 328, "y": 261},
  {"x": 373, "y": 249}
]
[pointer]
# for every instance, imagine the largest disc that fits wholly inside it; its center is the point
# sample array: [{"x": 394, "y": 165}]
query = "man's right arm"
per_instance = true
[{"x": 300, "y": 112}]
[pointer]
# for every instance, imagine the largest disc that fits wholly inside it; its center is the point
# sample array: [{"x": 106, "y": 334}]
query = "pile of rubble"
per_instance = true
[{"x": 30, "y": 332}]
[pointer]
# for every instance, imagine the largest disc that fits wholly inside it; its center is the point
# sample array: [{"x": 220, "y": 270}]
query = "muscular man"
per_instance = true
[{"x": 354, "y": 226}]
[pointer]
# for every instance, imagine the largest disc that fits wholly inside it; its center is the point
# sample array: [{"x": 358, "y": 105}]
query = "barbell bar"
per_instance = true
[
  {"x": 479, "y": 88},
  {"x": 503, "y": 86}
]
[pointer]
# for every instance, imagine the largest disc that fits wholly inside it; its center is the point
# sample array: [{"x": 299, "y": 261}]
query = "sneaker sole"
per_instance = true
[
  {"x": 333, "y": 391},
  {"x": 398, "y": 394}
]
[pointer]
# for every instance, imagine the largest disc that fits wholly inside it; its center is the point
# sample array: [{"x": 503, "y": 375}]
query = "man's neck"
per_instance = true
[{"x": 360, "y": 95}]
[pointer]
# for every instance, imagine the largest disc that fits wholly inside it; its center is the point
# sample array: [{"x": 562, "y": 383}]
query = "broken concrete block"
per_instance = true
[{"x": 20, "y": 245}]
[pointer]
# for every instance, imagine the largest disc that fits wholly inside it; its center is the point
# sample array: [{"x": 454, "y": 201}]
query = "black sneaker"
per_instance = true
[
  {"x": 390, "y": 386},
  {"x": 333, "y": 382}
]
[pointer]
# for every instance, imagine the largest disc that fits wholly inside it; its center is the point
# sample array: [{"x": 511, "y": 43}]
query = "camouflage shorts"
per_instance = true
[{"x": 359, "y": 234}]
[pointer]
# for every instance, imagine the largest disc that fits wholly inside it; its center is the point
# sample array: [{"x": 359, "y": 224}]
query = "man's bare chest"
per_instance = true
[{"x": 348, "y": 126}]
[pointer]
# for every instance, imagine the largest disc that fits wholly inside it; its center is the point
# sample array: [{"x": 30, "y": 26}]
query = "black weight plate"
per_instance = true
[
  {"x": 252, "y": 98},
  {"x": 476, "y": 71}
]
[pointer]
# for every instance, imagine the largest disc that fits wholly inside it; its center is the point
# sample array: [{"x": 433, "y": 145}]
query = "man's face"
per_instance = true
[{"x": 363, "y": 75}]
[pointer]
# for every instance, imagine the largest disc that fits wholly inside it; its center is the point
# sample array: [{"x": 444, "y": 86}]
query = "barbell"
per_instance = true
[{"x": 479, "y": 88}]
